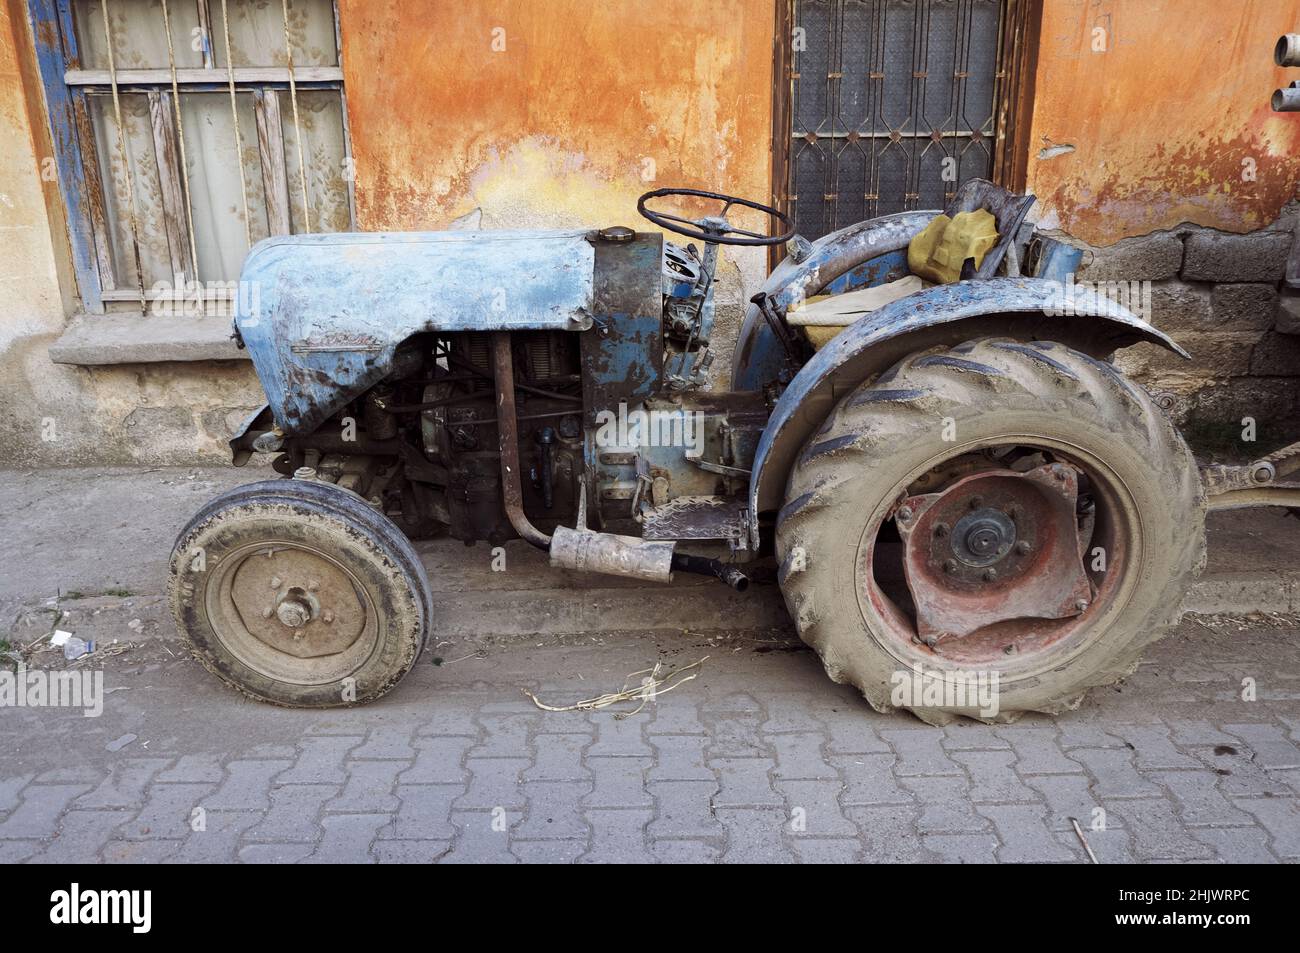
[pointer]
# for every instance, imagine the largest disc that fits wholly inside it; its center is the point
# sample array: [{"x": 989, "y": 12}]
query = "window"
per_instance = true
[
  {"x": 890, "y": 105},
  {"x": 200, "y": 128}
]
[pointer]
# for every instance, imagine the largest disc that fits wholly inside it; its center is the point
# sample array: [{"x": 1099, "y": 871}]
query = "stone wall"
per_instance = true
[{"x": 1221, "y": 297}]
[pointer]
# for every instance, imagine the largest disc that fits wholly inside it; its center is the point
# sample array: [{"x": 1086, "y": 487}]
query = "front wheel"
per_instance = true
[
  {"x": 300, "y": 594},
  {"x": 988, "y": 530}
]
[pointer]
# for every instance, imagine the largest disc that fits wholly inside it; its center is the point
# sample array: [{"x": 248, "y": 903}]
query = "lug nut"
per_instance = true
[
  {"x": 267, "y": 613},
  {"x": 1081, "y": 605},
  {"x": 990, "y": 574},
  {"x": 276, "y": 582},
  {"x": 1023, "y": 548},
  {"x": 905, "y": 514},
  {"x": 976, "y": 502},
  {"x": 313, "y": 585},
  {"x": 327, "y": 616},
  {"x": 940, "y": 530},
  {"x": 950, "y": 566}
]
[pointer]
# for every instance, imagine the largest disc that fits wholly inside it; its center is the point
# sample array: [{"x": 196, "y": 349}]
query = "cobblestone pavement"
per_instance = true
[{"x": 761, "y": 758}]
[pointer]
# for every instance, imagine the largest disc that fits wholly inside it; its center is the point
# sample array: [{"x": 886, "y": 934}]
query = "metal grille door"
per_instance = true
[{"x": 892, "y": 105}]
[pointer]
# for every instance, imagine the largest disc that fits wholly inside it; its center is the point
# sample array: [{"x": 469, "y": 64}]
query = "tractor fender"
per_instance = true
[
  {"x": 861, "y": 254},
  {"x": 1028, "y": 309}
]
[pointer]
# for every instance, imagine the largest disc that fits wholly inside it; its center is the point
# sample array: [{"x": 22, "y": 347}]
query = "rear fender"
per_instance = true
[{"x": 1027, "y": 309}]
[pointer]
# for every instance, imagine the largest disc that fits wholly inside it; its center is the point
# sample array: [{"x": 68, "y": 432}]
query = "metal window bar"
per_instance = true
[
  {"x": 893, "y": 105},
  {"x": 262, "y": 81}
]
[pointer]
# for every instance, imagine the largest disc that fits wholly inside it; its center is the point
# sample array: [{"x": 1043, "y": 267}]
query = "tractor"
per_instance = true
[{"x": 947, "y": 480}]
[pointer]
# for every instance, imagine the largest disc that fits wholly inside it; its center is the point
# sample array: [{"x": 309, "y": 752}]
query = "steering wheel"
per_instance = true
[{"x": 715, "y": 229}]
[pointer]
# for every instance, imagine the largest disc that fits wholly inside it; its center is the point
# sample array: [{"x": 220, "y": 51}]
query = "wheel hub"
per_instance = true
[
  {"x": 993, "y": 547},
  {"x": 297, "y": 602}
]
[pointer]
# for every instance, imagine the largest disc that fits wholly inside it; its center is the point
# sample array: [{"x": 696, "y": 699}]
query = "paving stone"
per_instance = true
[
  {"x": 273, "y": 853},
  {"x": 125, "y": 785},
  {"x": 679, "y": 758},
  {"x": 425, "y": 812},
  {"x": 945, "y": 805},
  {"x": 1155, "y": 831},
  {"x": 965, "y": 735},
  {"x": 247, "y": 786},
  {"x": 1068, "y": 796},
  {"x": 962, "y": 848},
  {"x": 389, "y": 742},
  {"x": 10, "y": 789},
  {"x": 554, "y": 811},
  {"x": 850, "y": 732},
  {"x": 1114, "y": 773},
  {"x": 559, "y": 758},
  {"x": 293, "y": 814},
  {"x": 920, "y": 752},
  {"x": 439, "y": 759},
  {"x": 994, "y": 781},
  {"x": 504, "y": 736},
  {"x": 789, "y": 713},
  {"x": 410, "y": 851},
  {"x": 1152, "y": 748},
  {"x": 827, "y": 850},
  {"x": 320, "y": 760},
  {"x": 813, "y": 808},
  {"x": 194, "y": 769},
  {"x": 686, "y": 851},
  {"x": 1197, "y": 797},
  {"x": 41, "y": 806},
  {"x": 494, "y": 782},
  {"x": 619, "y": 782},
  {"x": 218, "y": 842},
  {"x": 451, "y": 720},
  {"x": 744, "y": 782},
  {"x": 1280, "y": 816},
  {"x": 1237, "y": 845},
  {"x": 548, "y": 851},
  {"x": 869, "y": 779},
  {"x": 799, "y": 756},
  {"x": 1274, "y": 751},
  {"x": 82, "y": 835},
  {"x": 618, "y": 837},
  {"x": 17, "y": 851},
  {"x": 737, "y": 736},
  {"x": 369, "y": 789},
  {"x": 678, "y": 718},
  {"x": 685, "y": 809},
  {"x": 1037, "y": 750},
  {"x": 754, "y": 835},
  {"x": 1024, "y": 834},
  {"x": 167, "y": 813},
  {"x": 478, "y": 841},
  {"x": 618, "y": 739},
  {"x": 347, "y": 838}
]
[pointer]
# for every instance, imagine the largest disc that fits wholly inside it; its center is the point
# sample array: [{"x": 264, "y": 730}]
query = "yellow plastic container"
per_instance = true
[{"x": 938, "y": 252}]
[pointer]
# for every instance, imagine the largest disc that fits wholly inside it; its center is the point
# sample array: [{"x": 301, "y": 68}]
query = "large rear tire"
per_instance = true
[
  {"x": 978, "y": 408},
  {"x": 300, "y": 594}
]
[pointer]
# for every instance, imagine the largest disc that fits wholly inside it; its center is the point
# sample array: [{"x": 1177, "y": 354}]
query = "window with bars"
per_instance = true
[
  {"x": 890, "y": 105},
  {"x": 201, "y": 127}
]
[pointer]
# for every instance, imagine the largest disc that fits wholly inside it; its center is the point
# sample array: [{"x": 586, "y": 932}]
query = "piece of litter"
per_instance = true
[
  {"x": 117, "y": 744},
  {"x": 75, "y": 648},
  {"x": 652, "y": 685},
  {"x": 59, "y": 637},
  {"x": 1083, "y": 840}
]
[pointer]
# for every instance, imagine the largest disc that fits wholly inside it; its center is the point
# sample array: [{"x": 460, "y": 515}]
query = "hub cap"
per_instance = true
[{"x": 994, "y": 546}]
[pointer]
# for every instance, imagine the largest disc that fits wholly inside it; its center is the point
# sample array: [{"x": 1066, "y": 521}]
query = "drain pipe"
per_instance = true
[{"x": 508, "y": 441}]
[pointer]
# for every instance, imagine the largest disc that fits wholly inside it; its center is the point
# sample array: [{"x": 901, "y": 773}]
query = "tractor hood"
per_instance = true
[{"x": 322, "y": 315}]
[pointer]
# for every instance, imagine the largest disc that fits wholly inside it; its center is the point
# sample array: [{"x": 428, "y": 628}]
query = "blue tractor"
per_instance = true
[{"x": 952, "y": 480}]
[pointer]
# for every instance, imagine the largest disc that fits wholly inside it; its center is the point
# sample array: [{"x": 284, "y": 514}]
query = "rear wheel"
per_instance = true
[
  {"x": 299, "y": 593},
  {"x": 989, "y": 530}
]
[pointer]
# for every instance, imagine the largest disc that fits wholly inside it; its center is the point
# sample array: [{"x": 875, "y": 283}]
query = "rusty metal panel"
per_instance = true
[
  {"x": 322, "y": 315},
  {"x": 623, "y": 353}
]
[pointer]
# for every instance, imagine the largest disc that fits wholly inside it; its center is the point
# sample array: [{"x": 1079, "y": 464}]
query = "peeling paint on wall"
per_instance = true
[{"x": 1167, "y": 106}]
